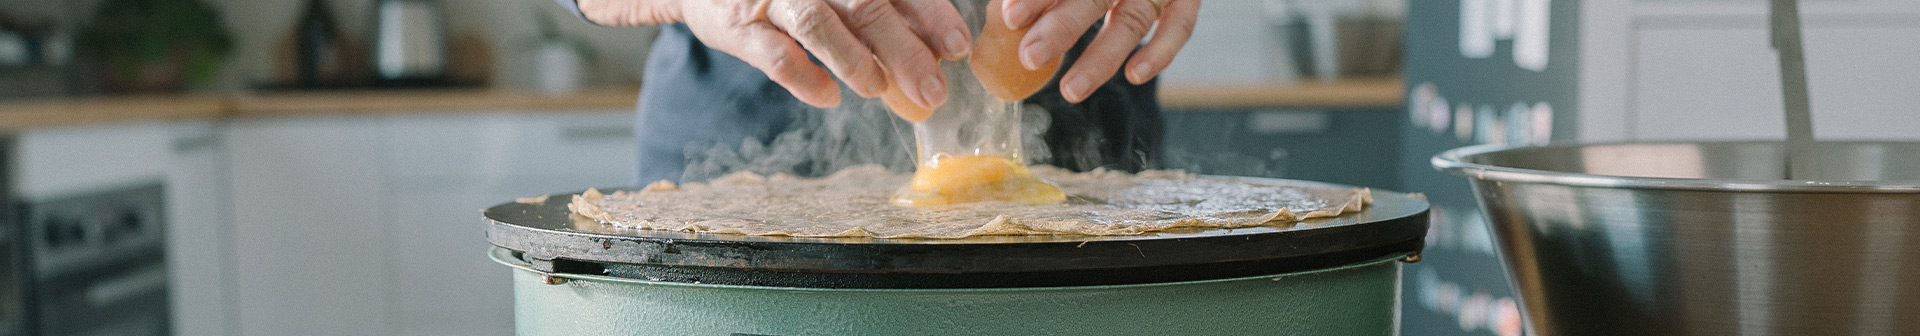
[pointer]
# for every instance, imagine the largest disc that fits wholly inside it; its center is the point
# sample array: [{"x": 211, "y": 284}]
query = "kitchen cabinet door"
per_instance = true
[
  {"x": 309, "y": 222},
  {"x": 446, "y": 167},
  {"x": 199, "y": 228}
]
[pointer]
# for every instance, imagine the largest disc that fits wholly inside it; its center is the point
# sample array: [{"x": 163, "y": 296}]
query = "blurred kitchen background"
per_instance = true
[{"x": 299, "y": 167}]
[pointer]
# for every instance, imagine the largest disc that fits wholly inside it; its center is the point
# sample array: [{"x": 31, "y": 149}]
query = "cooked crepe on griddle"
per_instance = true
[{"x": 855, "y": 202}]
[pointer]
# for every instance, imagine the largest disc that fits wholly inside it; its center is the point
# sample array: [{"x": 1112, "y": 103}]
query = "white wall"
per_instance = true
[{"x": 1670, "y": 70}]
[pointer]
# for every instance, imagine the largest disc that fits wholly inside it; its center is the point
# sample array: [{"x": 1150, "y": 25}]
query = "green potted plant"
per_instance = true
[{"x": 156, "y": 45}]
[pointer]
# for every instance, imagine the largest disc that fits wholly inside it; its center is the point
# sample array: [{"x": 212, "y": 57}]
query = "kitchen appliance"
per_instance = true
[
  {"x": 13, "y": 266},
  {"x": 409, "y": 43},
  {"x": 1705, "y": 238},
  {"x": 35, "y": 60},
  {"x": 97, "y": 263},
  {"x": 1330, "y": 276}
]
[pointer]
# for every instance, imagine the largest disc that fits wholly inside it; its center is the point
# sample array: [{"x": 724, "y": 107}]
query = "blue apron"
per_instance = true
[{"x": 695, "y": 96}]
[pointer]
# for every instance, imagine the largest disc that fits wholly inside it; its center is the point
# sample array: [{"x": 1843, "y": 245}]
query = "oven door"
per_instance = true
[
  {"x": 13, "y": 293},
  {"x": 98, "y": 263},
  {"x": 13, "y": 262}
]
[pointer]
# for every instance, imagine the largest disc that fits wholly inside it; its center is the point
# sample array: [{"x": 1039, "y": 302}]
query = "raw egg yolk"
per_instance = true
[
  {"x": 996, "y": 60},
  {"x": 976, "y": 178}
]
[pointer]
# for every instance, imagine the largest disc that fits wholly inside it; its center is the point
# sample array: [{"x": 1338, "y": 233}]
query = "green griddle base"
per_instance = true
[{"x": 1358, "y": 299}]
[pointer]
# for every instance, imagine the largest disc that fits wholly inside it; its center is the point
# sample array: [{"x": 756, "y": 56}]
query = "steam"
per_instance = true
[
  {"x": 864, "y": 132},
  {"x": 819, "y": 142},
  {"x": 858, "y": 132}
]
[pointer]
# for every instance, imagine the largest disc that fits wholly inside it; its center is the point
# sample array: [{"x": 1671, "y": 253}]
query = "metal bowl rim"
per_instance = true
[{"x": 1453, "y": 162}]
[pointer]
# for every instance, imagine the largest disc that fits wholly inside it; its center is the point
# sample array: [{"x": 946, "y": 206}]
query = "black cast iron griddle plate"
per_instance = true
[{"x": 549, "y": 236}]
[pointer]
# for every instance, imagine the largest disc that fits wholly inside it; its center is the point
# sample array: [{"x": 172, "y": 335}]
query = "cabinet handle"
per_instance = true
[
  {"x": 596, "y": 133},
  {"x": 192, "y": 144}
]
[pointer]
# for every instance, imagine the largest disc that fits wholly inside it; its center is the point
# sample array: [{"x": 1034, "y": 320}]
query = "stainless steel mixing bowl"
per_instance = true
[{"x": 1704, "y": 238}]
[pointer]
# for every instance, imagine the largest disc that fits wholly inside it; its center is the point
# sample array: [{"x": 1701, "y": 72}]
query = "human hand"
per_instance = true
[
  {"x": 1056, "y": 24},
  {"x": 869, "y": 44}
]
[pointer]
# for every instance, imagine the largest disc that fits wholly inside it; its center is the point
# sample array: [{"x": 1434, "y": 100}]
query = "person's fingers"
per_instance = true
[
  {"x": 1020, "y": 13},
  {"x": 1054, "y": 32},
  {"x": 816, "y": 26},
  {"x": 907, "y": 59},
  {"x": 1176, "y": 25},
  {"x": 741, "y": 29},
  {"x": 1126, "y": 24},
  {"x": 776, "y": 54},
  {"x": 938, "y": 23}
]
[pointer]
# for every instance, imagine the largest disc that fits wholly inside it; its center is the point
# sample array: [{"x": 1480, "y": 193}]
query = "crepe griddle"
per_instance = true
[{"x": 553, "y": 240}]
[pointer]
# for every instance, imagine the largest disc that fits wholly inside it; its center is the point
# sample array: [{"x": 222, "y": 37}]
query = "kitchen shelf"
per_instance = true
[
  {"x": 30, "y": 113},
  {"x": 427, "y": 100},
  {"x": 20, "y": 114}
]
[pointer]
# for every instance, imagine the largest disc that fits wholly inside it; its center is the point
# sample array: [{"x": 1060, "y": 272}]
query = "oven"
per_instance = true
[
  {"x": 96, "y": 262},
  {"x": 13, "y": 294}
]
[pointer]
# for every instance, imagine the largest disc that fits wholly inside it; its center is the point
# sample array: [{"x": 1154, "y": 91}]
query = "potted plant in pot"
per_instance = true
[{"x": 155, "y": 45}]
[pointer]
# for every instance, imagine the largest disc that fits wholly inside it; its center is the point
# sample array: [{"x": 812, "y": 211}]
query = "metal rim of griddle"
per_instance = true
[{"x": 552, "y": 240}]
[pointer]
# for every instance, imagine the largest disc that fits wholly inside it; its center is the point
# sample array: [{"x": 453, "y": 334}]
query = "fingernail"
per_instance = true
[
  {"x": 957, "y": 44},
  {"x": 877, "y": 83},
  {"x": 934, "y": 91},
  {"x": 1030, "y": 55},
  {"x": 876, "y": 87},
  {"x": 831, "y": 100},
  {"x": 1014, "y": 13},
  {"x": 1139, "y": 72},
  {"x": 1075, "y": 88}
]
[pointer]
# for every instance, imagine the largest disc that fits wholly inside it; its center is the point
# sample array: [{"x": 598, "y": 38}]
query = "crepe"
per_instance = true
[{"x": 855, "y": 202}]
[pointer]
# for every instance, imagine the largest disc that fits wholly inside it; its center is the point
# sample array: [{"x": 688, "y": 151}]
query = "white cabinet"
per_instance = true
[
  {"x": 200, "y": 230},
  {"x": 61, "y": 161},
  {"x": 309, "y": 225},
  {"x": 341, "y": 225},
  {"x": 371, "y": 226},
  {"x": 186, "y": 159},
  {"x": 447, "y": 167}
]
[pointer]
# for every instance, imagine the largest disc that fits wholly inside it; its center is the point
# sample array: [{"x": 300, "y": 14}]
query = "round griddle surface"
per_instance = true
[{"x": 552, "y": 239}]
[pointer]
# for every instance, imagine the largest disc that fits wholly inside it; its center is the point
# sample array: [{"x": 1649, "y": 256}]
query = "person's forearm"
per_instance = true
[{"x": 630, "y": 12}]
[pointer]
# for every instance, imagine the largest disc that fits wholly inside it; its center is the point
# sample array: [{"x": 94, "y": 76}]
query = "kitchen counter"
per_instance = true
[
  {"x": 425, "y": 100},
  {"x": 1344, "y": 94},
  {"x": 20, "y": 114}
]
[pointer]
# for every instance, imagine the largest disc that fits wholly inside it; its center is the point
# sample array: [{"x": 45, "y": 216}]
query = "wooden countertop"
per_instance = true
[
  {"x": 20, "y": 114},
  {"x": 1349, "y": 93},
  {"x": 426, "y": 100},
  {"x": 15, "y": 115}
]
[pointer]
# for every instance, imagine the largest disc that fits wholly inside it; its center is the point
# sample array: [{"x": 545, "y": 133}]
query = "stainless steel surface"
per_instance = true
[
  {"x": 1704, "y": 238},
  {"x": 98, "y": 262}
]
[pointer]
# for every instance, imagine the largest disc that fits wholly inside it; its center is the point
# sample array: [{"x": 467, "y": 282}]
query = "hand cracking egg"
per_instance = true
[
  {"x": 992, "y": 173},
  {"x": 996, "y": 60}
]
